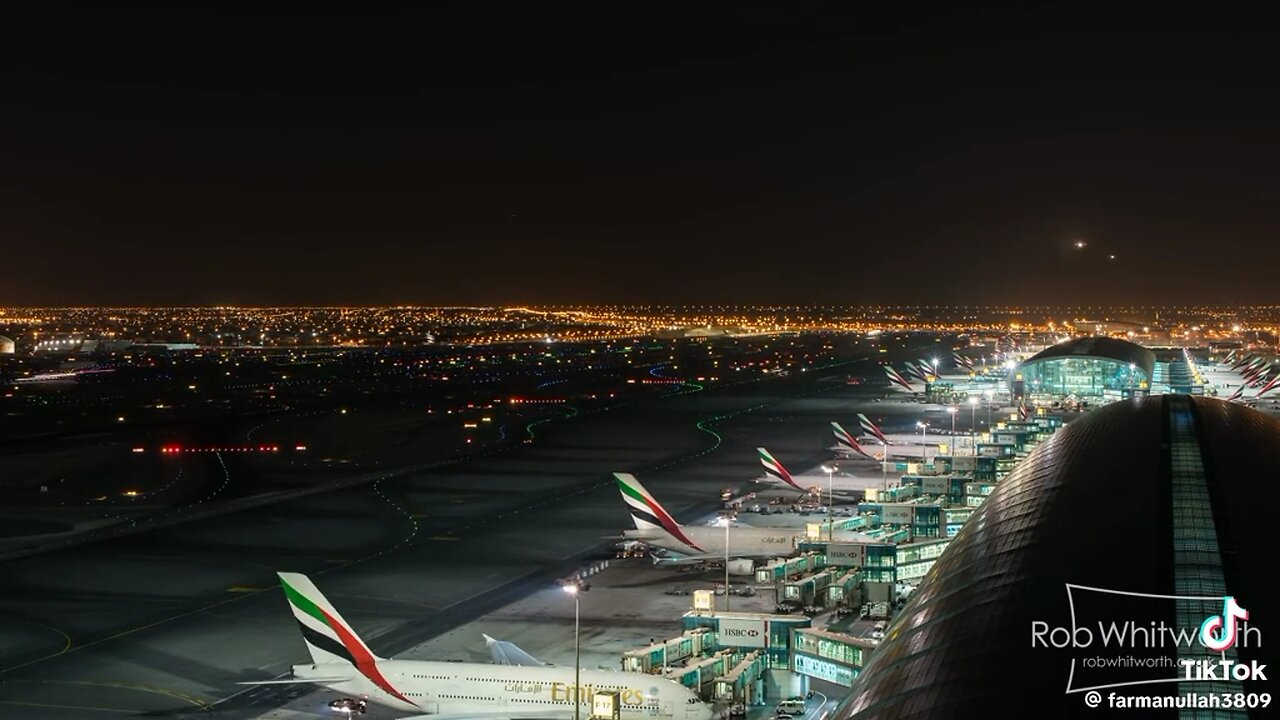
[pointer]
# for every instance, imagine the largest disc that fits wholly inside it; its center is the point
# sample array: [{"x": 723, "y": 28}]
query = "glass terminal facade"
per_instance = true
[
  {"x": 828, "y": 656},
  {"x": 1083, "y": 377},
  {"x": 1086, "y": 369}
]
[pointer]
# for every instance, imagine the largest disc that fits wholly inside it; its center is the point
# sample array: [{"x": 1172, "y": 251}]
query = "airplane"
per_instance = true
[
  {"x": 896, "y": 380},
  {"x": 1259, "y": 376},
  {"x": 847, "y": 444},
  {"x": 962, "y": 361},
  {"x": 1237, "y": 394},
  {"x": 342, "y": 662},
  {"x": 872, "y": 428},
  {"x": 1268, "y": 387},
  {"x": 913, "y": 370},
  {"x": 776, "y": 472},
  {"x": 929, "y": 371},
  {"x": 656, "y": 527},
  {"x": 1229, "y": 358},
  {"x": 1252, "y": 365},
  {"x": 844, "y": 487}
]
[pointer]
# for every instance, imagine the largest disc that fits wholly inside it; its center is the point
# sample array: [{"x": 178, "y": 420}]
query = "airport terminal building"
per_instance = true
[
  {"x": 1094, "y": 370},
  {"x": 1148, "y": 512}
]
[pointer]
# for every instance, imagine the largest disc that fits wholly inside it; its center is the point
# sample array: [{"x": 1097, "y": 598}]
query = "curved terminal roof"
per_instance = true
[
  {"x": 1172, "y": 495},
  {"x": 1103, "y": 348}
]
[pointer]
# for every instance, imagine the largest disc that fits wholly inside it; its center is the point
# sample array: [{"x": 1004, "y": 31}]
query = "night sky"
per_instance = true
[{"x": 661, "y": 153}]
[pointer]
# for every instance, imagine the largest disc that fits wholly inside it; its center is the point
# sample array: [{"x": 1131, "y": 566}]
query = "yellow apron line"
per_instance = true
[
  {"x": 125, "y": 686},
  {"x": 66, "y": 637},
  {"x": 67, "y": 707},
  {"x": 131, "y": 631},
  {"x": 66, "y": 646}
]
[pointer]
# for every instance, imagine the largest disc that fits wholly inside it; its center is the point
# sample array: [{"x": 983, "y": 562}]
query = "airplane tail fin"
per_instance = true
[
  {"x": 928, "y": 372},
  {"x": 847, "y": 441},
  {"x": 896, "y": 378},
  {"x": 872, "y": 428},
  {"x": 329, "y": 638},
  {"x": 774, "y": 469},
  {"x": 646, "y": 512}
]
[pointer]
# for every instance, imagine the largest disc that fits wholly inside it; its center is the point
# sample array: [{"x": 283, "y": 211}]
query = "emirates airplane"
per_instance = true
[
  {"x": 340, "y": 661},
  {"x": 657, "y": 528},
  {"x": 844, "y": 487}
]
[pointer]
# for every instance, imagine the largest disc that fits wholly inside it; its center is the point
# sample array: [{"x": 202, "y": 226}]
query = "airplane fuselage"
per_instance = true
[
  {"x": 444, "y": 688},
  {"x": 744, "y": 542},
  {"x": 843, "y": 487}
]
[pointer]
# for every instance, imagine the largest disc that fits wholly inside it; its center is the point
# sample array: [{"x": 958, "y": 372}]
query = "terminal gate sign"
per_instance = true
[
  {"x": 606, "y": 706},
  {"x": 744, "y": 632}
]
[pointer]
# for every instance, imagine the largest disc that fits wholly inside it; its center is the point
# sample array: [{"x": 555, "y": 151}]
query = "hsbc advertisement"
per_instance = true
[
  {"x": 744, "y": 632},
  {"x": 897, "y": 514},
  {"x": 935, "y": 485},
  {"x": 991, "y": 450},
  {"x": 846, "y": 554}
]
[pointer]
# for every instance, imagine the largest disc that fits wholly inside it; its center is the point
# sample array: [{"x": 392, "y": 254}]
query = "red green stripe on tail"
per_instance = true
[
  {"x": 846, "y": 441},
  {"x": 647, "y": 513},
  {"x": 775, "y": 470},
  {"x": 325, "y": 630}
]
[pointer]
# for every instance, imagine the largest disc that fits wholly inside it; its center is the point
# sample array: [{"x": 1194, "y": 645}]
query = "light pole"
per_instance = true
[
  {"x": 924, "y": 446},
  {"x": 952, "y": 410},
  {"x": 990, "y": 398},
  {"x": 973, "y": 424},
  {"x": 577, "y": 650},
  {"x": 830, "y": 469},
  {"x": 724, "y": 520}
]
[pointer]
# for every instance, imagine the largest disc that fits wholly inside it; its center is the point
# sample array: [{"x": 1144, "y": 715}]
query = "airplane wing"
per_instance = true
[
  {"x": 678, "y": 559},
  {"x": 687, "y": 560},
  {"x": 506, "y": 653},
  {"x": 297, "y": 681}
]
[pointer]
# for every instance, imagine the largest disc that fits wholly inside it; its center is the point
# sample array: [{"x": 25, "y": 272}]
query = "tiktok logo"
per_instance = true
[{"x": 1218, "y": 632}]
